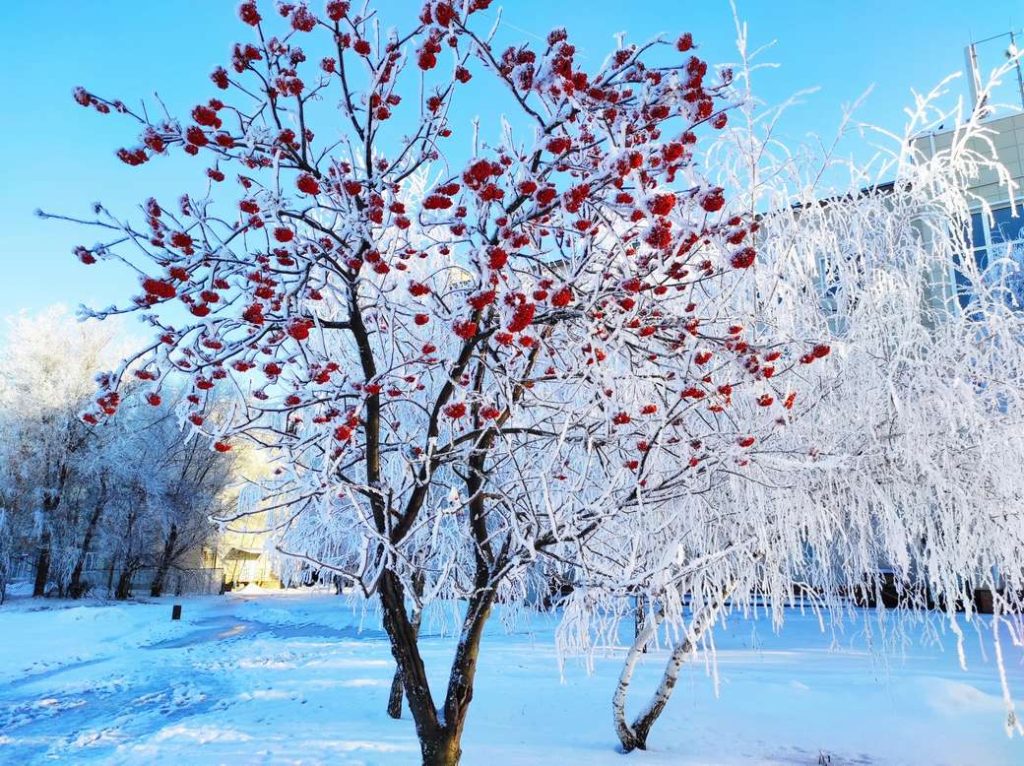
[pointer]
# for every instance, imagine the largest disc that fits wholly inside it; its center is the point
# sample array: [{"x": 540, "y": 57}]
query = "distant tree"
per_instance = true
[
  {"x": 194, "y": 491},
  {"x": 138, "y": 491},
  {"x": 47, "y": 375},
  {"x": 156, "y": 490},
  {"x": 5, "y": 552},
  {"x": 77, "y": 585}
]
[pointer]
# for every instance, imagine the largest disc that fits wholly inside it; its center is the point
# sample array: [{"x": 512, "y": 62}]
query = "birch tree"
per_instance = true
[{"x": 895, "y": 463}]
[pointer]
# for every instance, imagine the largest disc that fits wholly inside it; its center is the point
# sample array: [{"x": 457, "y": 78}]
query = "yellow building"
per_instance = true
[{"x": 245, "y": 551}]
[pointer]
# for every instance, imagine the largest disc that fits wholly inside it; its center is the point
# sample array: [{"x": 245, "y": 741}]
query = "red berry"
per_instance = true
[
  {"x": 562, "y": 297},
  {"x": 307, "y": 184}
]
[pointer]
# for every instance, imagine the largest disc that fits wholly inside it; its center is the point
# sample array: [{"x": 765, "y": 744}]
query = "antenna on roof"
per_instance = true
[
  {"x": 1014, "y": 52},
  {"x": 974, "y": 81}
]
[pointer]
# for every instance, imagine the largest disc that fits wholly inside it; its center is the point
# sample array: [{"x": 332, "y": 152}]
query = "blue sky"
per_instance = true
[{"x": 61, "y": 157}]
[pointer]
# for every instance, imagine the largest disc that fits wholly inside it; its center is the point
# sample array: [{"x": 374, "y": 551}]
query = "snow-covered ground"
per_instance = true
[{"x": 302, "y": 678}]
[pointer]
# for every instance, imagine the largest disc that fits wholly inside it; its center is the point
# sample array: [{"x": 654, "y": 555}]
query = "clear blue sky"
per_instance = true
[{"x": 60, "y": 157}]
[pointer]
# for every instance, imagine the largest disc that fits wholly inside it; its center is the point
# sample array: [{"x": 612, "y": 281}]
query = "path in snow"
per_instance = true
[{"x": 298, "y": 677}]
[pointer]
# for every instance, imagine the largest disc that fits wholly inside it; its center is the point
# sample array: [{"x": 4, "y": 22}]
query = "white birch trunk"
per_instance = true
[
  {"x": 635, "y": 736},
  {"x": 646, "y": 634}
]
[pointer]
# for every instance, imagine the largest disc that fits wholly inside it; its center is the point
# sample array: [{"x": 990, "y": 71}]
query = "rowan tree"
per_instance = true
[{"x": 464, "y": 355}]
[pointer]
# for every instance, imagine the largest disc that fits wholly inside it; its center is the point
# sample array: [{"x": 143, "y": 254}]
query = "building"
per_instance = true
[
  {"x": 995, "y": 231},
  {"x": 244, "y": 558},
  {"x": 244, "y": 546}
]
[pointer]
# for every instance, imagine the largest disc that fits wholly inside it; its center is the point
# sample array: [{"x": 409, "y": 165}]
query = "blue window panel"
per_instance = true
[
  {"x": 989, "y": 243},
  {"x": 1006, "y": 227},
  {"x": 977, "y": 230}
]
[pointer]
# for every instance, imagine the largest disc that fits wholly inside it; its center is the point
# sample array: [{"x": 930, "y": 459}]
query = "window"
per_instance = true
[
  {"x": 997, "y": 252},
  {"x": 1005, "y": 226}
]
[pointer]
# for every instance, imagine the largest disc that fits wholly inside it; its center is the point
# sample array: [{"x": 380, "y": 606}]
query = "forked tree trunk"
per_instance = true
[
  {"x": 397, "y": 693},
  {"x": 447, "y": 750},
  {"x": 405, "y": 650},
  {"x": 439, "y": 732},
  {"x": 643, "y": 635},
  {"x": 634, "y": 736}
]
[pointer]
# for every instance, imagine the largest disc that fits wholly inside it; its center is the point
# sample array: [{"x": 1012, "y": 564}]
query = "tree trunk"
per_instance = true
[
  {"x": 124, "y": 582},
  {"x": 463, "y": 672},
  {"x": 634, "y": 736},
  {"x": 440, "y": 736},
  {"x": 5, "y": 554},
  {"x": 640, "y": 617},
  {"x": 405, "y": 650},
  {"x": 76, "y": 589},
  {"x": 51, "y": 501},
  {"x": 643, "y": 635},
  {"x": 42, "y": 567},
  {"x": 130, "y": 560},
  {"x": 446, "y": 750},
  {"x": 395, "y": 698},
  {"x": 110, "y": 576},
  {"x": 397, "y": 694},
  {"x": 157, "y": 588}
]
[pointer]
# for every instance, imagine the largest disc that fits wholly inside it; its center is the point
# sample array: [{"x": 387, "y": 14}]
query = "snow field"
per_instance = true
[{"x": 302, "y": 678}]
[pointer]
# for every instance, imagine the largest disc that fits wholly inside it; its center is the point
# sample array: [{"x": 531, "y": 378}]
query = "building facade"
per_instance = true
[{"x": 995, "y": 231}]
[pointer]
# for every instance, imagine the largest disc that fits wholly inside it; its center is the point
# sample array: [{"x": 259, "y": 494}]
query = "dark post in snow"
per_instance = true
[{"x": 176, "y": 612}]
